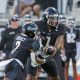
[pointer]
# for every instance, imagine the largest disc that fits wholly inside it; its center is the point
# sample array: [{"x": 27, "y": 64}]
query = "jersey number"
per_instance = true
[
  {"x": 17, "y": 46},
  {"x": 71, "y": 38}
]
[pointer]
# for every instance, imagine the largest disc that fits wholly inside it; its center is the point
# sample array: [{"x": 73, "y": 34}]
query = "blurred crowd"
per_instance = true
[{"x": 26, "y": 6}]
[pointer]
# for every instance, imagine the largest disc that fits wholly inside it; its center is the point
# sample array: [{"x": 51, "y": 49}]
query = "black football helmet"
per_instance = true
[
  {"x": 51, "y": 16},
  {"x": 30, "y": 29}
]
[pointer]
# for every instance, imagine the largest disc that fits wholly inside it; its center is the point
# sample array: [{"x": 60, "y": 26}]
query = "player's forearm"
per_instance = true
[
  {"x": 58, "y": 42},
  {"x": 62, "y": 50}
]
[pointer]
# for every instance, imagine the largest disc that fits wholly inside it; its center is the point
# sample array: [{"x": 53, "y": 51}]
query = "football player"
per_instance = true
[
  {"x": 52, "y": 33},
  {"x": 70, "y": 38},
  {"x": 23, "y": 45},
  {"x": 8, "y": 36}
]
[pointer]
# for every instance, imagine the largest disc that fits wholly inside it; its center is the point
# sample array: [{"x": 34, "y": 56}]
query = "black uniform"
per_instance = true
[
  {"x": 7, "y": 39},
  {"x": 21, "y": 51},
  {"x": 71, "y": 35},
  {"x": 55, "y": 32}
]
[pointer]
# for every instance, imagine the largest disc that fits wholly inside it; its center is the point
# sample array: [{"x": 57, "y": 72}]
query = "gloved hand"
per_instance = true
[
  {"x": 40, "y": 57},
  {"x": 37, "y": 58}
]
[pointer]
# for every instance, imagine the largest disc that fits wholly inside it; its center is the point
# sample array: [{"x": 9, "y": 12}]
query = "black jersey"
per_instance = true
[
  {"x": 71, "y": 36},
  {"x": 7, "y": 38},
  {"x": 22, "y": 46},
  {"x": 54, "y": 33}
]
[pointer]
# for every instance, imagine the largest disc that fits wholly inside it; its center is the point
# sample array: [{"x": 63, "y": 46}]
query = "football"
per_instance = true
[{"x": 50, "y": 50}]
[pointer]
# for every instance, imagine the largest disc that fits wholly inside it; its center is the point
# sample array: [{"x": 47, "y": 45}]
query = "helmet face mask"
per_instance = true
[{"x": 52, "y": 20}]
